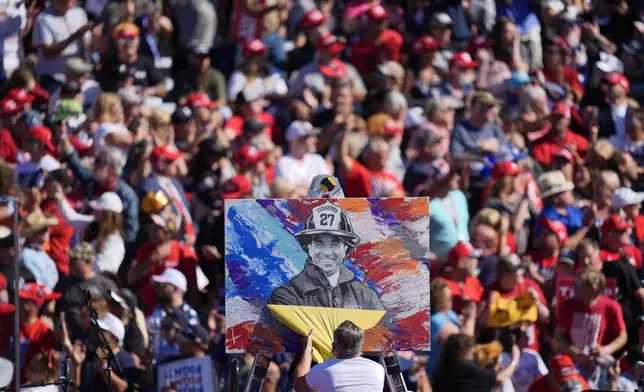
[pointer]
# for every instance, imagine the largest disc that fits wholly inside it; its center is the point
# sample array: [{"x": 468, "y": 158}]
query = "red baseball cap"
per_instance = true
[
  {"x": 378, "y": 14},
  {"x": 37, "y": 293},
  {"x": 460, "y": 251},
  {"x": 508, "y": 168},
  {"x": 464, "y": 60},
  {"x": 330, "y": 43},
  {"x": 21, "y": 96},
  {"x": 615, "y": 223},
  {"x": 562, "y": 366},
  {"x": 198, "y": 100},
  {"x": 42, "y": 134},
  {"x": 313, "y": 18},
  {"x": 425, "y": 44},
  {"x": 478, "y": 42},
  {"x": 9, "y": 106},
  {"x": 558, "y": 228},
  {"x": 237, "y": 187},
  {"x": 166, "y": 152},
  {"x": 618, "y": 78},
  {"x": 250, "y": 155},
  {"x": 334, "y": 69},
  {"x": 254, "y": 48},
  {"x": 565, "y": 154},
  {"x": 560, "y": 109}
]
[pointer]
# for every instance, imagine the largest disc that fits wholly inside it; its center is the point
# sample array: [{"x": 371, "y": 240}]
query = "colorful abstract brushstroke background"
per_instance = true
[{"x": 392, "y": 258}]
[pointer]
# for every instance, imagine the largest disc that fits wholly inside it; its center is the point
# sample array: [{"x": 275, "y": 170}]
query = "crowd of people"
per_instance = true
[{"x": 124, "y": 125}]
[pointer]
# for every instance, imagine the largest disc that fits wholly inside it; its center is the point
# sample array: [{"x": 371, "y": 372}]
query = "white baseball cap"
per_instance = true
[
  {"x": 173, "y": 277},
  {"x": 109, "y": 201},
  {"x": 113, "y": 325},
  {"x": 299, "y": 129},
  {"x": 626, "y": 197}
]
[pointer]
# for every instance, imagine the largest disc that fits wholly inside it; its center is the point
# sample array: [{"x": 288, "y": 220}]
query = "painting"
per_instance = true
[{"x": 297, "y": 264}]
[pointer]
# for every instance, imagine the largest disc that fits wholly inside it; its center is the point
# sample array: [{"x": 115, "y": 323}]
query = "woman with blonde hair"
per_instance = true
[{"x": 111, "y": 131}]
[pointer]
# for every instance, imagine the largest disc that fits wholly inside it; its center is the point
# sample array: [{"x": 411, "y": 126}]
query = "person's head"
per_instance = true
[
  {"x": 199, "y": 59},
  {"x": 555, "y": 54},
  {"x": 113, "y": 330},
  {"x": 81, "y": 260},
  {"x": 313, "y": 23},
  {"x": 440, "y": 28},
  {"x": 553, "y": 236},
  {"x": 484, "y": 108},
  {"x": 628, "y": 201},
  {"x": 376, "y": 154},
  {"x": 619, "y": 87},
  {"x": 391, "y": 76},
  {"x": 484, "y": 238},
  {"x": 62, "y": 6},
  {"x": 284, "y": 189},
  {"x": 635, "y": 126},
  {"x": 108, "y": 109},
  {"x": 625, "y": 166},
  {"x": 160, "y": 122},
  {"x": 377, "y": 19},
  {"x": 328, "y": 47},
  {"x": 170, "y": 286},
  {"x": 162, "y": 158},
  {"x": 126, "y": 36},
  {"x": 616, "y": 232},
  {"x": 564, "y": 162},
  {"x": 253, "y": 61},
  {"x": 505, "y": 178},
  {"x": 636, "y": 355},
  {"x": 442, "y": 111},
  {"x": 184, "y": 124},
  {"x": 560, "y": 119},
  {"x": 462, "y": 260},
  {"x": 38, "y": 141},
  {"x": 605, "y": 185},
  {"x": 327, "y": 251},
  {"x": 347, "y": 340},
  {"x": 510, "y": 272},
  {"x": 462, "y": 69},
  {"x": 44, "y": 366},
  {"x": 459, "y": 346},
  {"x": 589, "y": 285},
  {"x": 163, "y": 227},
  {"x": 35, "y": 229},
  {"x": 302, "y": 138},
  {"x": 588, "y": 255},
  {"x": 108, "y": 166},
  {"x": 10, "y": 112},
  {"x": 122, "y": 304},
  {"x": 32, "y": 297},
  {"x": 441, "y": 296},
  {"x": 555, "y": 189},
  {"x": 342, "y": 97}
]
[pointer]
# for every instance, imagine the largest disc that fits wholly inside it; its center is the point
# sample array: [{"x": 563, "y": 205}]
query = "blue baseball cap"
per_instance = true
[
  {"x": 32, "y": 118},
  {"x": 518, "y": 79}
]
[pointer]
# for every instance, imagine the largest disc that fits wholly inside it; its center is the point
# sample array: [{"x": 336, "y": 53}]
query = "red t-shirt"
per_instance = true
[
  {"x": 541, "y": 384},
  {"x": 8, "y": 147},
  {"x": 547, "y": 266},
  {"x": 366, "y": 54},
  {"x": 34, "y": 338},
  {"x": 633, "y": 252},
  {"x": 182, "y": 257},
  {"x": 533, "y": 331},
  {"x": 587, "y": 326},
  {"x": 60, "y": 237},
  {"x": 471, "y": 289},
  {"x": 570, "y": 77},
  {"x": 545, "y": 148},
  {"x": 236, "y": 123},
  {"x": 360, "y": 182}
]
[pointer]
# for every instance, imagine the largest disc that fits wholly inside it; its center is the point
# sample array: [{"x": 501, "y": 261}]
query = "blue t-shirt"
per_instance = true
[
  {"x": 41, "y": 265},
  {"x": 574, "y": 218},
  {"x": 437, "y": 322},
  {"x": 448, "y": 220}
]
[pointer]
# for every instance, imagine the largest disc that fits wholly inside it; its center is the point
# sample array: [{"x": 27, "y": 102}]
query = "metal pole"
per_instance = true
[{"x": 16, "y": 289}]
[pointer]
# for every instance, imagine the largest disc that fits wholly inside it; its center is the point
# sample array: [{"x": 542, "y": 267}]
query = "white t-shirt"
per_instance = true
[
  {"x": 111, "y": 257},
  {"x": 101, "y": 133},
  {"x": 50, "y": 28},
  {"x": 347, "y": 375},
  {"x": 31, "y": 173},
  {"x": 301, "y": 172},
  {"x": 10, "y": 28},
  {"x": 618, "y": 112},
  {"x": 530, "y": 367}
]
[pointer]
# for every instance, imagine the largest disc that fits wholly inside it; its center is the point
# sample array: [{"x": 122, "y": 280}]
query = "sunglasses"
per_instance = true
[{"x": 124, "y": 41}]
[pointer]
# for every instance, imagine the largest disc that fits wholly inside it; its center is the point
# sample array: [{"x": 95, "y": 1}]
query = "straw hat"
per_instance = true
[
  {"x": 37, "y": 222},
  {"x": 553, "y": 182}
]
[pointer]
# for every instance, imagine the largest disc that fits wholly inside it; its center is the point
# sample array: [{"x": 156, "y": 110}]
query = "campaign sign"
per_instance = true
[
  {"x": 566, "y": 290},
  {"x": 186, "y": 375},
  {"x": 300, "y": 264}
]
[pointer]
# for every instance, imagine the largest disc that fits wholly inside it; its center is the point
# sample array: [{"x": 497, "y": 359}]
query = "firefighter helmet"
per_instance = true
[{"x": 328, "y": 219}]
